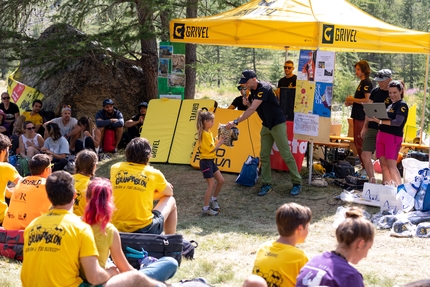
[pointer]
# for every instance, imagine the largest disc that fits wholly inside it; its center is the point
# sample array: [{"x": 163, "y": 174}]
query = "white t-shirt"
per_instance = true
[
  {"x": 60, "y": 146},
  {"x": 65, "y": 129}
]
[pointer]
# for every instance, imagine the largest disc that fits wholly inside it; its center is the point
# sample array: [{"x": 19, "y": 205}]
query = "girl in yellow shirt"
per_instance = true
[{"x": 205, "y": 121}]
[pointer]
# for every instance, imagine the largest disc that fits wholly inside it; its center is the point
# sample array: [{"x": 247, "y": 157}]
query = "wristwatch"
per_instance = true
[{"x": 235, "y": 122}]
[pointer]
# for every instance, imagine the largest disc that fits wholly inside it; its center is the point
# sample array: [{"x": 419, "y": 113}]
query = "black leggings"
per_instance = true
[{"x": 89, "y": 144}]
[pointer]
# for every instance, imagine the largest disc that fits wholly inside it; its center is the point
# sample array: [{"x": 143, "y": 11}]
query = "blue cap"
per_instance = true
[
  {"x": 107, "y": 102},
  {"x": 246, "y": 75}
]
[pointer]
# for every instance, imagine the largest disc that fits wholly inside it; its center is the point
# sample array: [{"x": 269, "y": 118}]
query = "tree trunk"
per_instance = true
[
  {"x": 191, "y": 56},
  {"x": 149, "y": 59}
]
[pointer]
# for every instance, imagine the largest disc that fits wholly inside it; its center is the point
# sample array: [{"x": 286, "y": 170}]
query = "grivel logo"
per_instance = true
[
  {"x": 178, "y": 31},
  {"x": 328, "y": 34}
]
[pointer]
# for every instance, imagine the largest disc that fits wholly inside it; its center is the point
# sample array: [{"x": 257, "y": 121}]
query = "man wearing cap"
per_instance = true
[
  {"x": 110, "y": 118},
  {"x": 66, "y": 123},
  {"x": 362, "y": 94},
  {"x": 240, "y": 102},
  {"x": 274, "y": 129},
  {"x": 370, "y": 129},
  {"x": 136, "y": 122}
]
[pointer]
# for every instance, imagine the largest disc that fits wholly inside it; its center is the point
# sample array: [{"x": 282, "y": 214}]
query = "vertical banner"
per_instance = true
[
  {"x": 171, "y": 70},
  {"x": 21, "y": 94}
]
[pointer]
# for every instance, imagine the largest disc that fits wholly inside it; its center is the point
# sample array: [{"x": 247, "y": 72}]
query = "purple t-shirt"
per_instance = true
[{"x": 328, "y": 269}]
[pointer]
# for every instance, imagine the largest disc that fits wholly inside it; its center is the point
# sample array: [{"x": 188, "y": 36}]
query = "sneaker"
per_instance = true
[
  {"x": 115, "y": 150},
  {"x": 296, "y": 189},
  {"x": 265, "y": 189},
  {"x": 213, "y": 204},
  {"x": 209, "y": 212}
]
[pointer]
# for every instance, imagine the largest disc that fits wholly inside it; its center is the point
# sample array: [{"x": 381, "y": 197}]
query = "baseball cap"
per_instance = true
[
  {"x": 246, "y": 75},
  {"x": 107, "y": 102},
  {"x": 382, "y": 75},
  {"x": 142, "y": 104},
  {"x": 66, "y": 108}
]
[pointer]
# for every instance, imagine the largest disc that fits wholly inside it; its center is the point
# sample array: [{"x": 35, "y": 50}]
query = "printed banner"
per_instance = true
[{"x": 21, "y": 94}]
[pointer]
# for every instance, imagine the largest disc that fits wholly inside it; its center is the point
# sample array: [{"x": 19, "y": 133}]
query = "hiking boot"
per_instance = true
[
  {"x": 209, "y": 212},
  {"x": 213, "y": 204},
  {"x": 296, "y": 189},
  {"x": 265, "y": 189}
]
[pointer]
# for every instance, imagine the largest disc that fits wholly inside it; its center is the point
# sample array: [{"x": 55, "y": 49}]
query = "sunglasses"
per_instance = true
[
  {"x": 32, "y": 128},
  {"x": 49, "y": 166},
  {"x": 6, "y": 98},
  {"x": 288, "y": 67},
  {"x": 240, "y": 88},
  {"x": 395, "y": 84}
]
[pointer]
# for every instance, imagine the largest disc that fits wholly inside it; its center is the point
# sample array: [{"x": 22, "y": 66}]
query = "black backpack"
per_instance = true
[{"x": 188, "y": 248}]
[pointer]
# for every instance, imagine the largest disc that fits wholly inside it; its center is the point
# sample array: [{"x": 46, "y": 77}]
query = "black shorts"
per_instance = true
[
  {"x": 157, "y": 225},
  {"x": 208, "y": 167}
]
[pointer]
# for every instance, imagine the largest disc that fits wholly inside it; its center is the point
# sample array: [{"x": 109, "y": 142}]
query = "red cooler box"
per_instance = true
[{"x": 298, "y": 149}]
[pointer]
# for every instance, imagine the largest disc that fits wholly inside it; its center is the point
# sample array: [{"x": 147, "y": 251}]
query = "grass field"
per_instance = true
[{"x": 228, "y": 242}]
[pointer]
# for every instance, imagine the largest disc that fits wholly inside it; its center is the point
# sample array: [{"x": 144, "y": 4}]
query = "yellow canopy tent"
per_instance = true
[{"x": 334, "y": 25}]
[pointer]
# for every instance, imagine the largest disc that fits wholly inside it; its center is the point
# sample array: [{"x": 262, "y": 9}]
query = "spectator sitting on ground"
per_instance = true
[
  {"x": 34, "y": 115},
  {"x": 8, "y": 173},
  {"x": 136, "y": 122},
  {"x": 98, "y": 212},
  {"x": 66, "y": 123},
  {"x": 17, "y": 131},
  {"x": 30, "y": 142},
  {"x": 56, "y": 262},
  {"x": 354, "y": 237},
  {"x": 110, "y": 118},
  {"x": 279, "y": 262},
  {"x": 4, "y": 128},
  {"x": 29, "y": 199},
  {"x": 240, "y": 102},
  {"x": 10, "y": 109},
  {"x": 134, "y": 195},
  {"x": 56, "y": 146},
  {"x": 86, "y": 165},
  {"x": 88, "y": 136}
]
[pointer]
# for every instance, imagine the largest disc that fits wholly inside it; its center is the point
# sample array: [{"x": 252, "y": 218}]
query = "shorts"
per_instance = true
[
  {"x": 388, "y": 145},
  {"x": 157, "y": 225},
  {"x": 369, "y": 140},
  {"x": 208, "y": 167}
]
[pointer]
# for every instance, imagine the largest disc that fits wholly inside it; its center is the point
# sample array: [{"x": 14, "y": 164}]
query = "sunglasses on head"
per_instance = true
[
  {"x": 288, "y": 67},
  {"x": 67, "y": 106},
  {"x": 395, "y": 84}
]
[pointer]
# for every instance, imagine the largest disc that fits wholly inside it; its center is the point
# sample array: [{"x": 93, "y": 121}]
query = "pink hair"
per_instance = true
[{"x": 99, "y": 206}]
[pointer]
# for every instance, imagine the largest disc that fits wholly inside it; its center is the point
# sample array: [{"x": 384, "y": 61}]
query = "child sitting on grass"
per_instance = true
[
  {"x": 205, "y": 121},
  {"x": 279, "y": 262}
]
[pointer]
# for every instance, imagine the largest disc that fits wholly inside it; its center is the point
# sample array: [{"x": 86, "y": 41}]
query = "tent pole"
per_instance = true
[
  {"x": 424, "y": 99},
  {"x": 286, "y": 53}
]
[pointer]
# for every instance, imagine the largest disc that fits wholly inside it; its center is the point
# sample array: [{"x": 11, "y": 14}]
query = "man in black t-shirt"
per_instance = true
[
  {"x": 241, "y": 102},
  {"x": 286, "y": 90},
  {"x": 370, "y": 129},
  {"x": 136, "y": 122},
  {"x": 274, "y": 129},
  {"x": 11, "y": 111},
  {"x": 362, "y": 94}
]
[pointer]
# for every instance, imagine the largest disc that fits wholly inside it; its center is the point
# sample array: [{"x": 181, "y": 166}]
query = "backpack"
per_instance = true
[
  {"x": 249, "y": 174},
  {"x": 21, "y": 166},
  {"x": 188, "y": 248}
]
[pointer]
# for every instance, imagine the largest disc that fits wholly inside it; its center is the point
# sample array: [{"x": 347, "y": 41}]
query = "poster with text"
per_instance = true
[
  {"x": 323, "y": 98},
  {"x": 306, "y": 69},
  {"x": 306, "y": 124},
  {"x": 304, "y": 101},
  {"x": 324, "y": 67}
]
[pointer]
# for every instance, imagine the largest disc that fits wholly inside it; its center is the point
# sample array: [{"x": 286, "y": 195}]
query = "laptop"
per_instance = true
[{"x": 377, "y": 110}]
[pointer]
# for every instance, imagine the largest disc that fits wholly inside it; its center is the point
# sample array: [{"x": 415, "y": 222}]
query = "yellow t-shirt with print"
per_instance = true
[
  {"x": 104, "y": 241},
  {"x": 207, "y": 146},
  {"x": 134, "y": 186},
  {"x": 8, "y": 173},
  {"x": 279, "y": 264},
  {"x": 36, "y": 119},
  {"x": 81, "y": 184},
  {"x": 29, "y": 200},
  {"x": 53, "y": 245}
]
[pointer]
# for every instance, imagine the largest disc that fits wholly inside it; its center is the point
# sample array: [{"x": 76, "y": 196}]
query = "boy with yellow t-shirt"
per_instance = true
[
  {"x": 8, "y": 173},
  {"x": 136, "y": 185},
  {"x": 279, "y": 262},
  {"x": 29, "y": 199}
]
